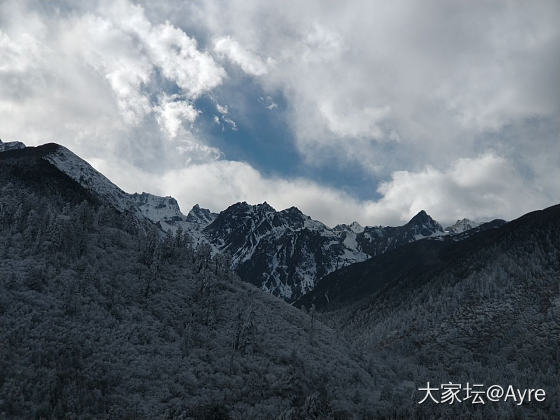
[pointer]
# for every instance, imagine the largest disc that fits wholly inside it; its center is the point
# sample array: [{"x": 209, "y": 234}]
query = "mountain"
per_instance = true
[
  {"x": 377, "y": 240},
  {"x": 460, "y": 234},
  {"x": 102, "y": 316},
  {"x": 164, "y": 211},
  {"x": 85, "y": 175},
  {"x": 461, "y": 226},
  {"x": 287, "y": 253},
  {"x": 107, "y": 310},
  {"x": 409, "y": 263},
  {"x": 485, "y": 307},
  {"x": 283, "y": 252},
  {"x": 201, "y": 217}
]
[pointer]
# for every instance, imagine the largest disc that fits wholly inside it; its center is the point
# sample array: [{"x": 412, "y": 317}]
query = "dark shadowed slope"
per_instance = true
[
  {"x": 413, "y": 264},
  {"x": 484, "y": 310}
]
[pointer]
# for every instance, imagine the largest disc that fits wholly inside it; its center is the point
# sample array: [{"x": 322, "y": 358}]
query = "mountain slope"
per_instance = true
[
  {"x": 163, "y": 211},
  {"x": 287, "y": 253},
  {"x": 377, "y": 240},
  {"x": 101, "y": 318},
  {"x": 485, "y": 309},
  {"x": 283, "y": 252},
  {"x": 415, "y": 262}
]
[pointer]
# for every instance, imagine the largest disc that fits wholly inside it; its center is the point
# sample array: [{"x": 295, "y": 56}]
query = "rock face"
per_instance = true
[
  {"x": 11, "y": 145},
  {"x": 284, "y": 252},
  {"x": 378, "y": 240},
  {"x": 287, "y": 252}
]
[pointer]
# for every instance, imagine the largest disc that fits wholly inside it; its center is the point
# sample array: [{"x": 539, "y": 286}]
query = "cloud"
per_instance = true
[
  {"x": 172, "y": 111},
  {"x": 214, "y": 183},
  {"x": 435, "y": 76},
  {"x": 485, "y": 187},
  {"x": 98, "y": 75},
  {"x": 222, "y": 109},
  {"x": 488, "y": 186},
  {"x": 451, "y": 108},
  {"x": 248, "y": 61}
]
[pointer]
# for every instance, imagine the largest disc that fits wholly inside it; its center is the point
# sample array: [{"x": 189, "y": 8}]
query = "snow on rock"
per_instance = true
[
  {"x": 461, "y": 226},
  {"x": 162, "y": 210},
  {"x": 200, "y": 216},
  {"x": 83, "y": 173}
]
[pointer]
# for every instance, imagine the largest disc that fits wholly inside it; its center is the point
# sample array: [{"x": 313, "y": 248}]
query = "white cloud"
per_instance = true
[
  {"x": 114, "y": 55},
  {"x": 222, "y": 109},
  {"x": 411, "y": 92},
  {"x": 248, "y": 61},
  {"x": 358, "y": 123},
  {"x": 220, "y": 183},
  {"x": 231, "y": 123},
  {"x": 179, "y": 59},
  {"x": 488, "y": 186},
  {"x": 479, "y": 188},
  {"x": 95, "y": 76},
  {"x": 436, "y": 76},
  {"x": 172, "y": 111}
]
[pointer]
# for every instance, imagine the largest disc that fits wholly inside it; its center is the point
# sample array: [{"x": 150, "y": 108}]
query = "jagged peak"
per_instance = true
[
  {"x": 462, "y": 225},
  {"x": 200, "y": 215},
  {"x": 420, "y": 218},
  {"x": 196, "y": 209},
  {"x": 241, "y": 205},
  {"x": 292, "y": 211},
  {"x": 354, "y": 227},
  {"x": 264, "y": 206},
  {"x": 424, "y": 225}
]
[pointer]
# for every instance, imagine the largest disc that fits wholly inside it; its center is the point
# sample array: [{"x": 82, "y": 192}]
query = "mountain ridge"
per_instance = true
[{"x": 284, "y": 252}]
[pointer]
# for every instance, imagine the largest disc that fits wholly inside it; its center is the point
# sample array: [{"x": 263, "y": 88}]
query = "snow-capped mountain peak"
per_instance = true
[
  {"x": 200, "y": 216},
  {"x": 352, "y": 227},
  {"x": 461, "y": 226},
  {"x": 356, "y": 227},
  {"x": 158, "y": 209}
]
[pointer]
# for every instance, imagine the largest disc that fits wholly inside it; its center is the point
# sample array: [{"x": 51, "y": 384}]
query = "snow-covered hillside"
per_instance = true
[
  {"x": 83, "y": 173},
  {"x": 283, "y": 252}
]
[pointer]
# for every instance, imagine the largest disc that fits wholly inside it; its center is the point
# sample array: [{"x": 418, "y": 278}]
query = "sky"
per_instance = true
[{"x": 356, "y": 110}]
